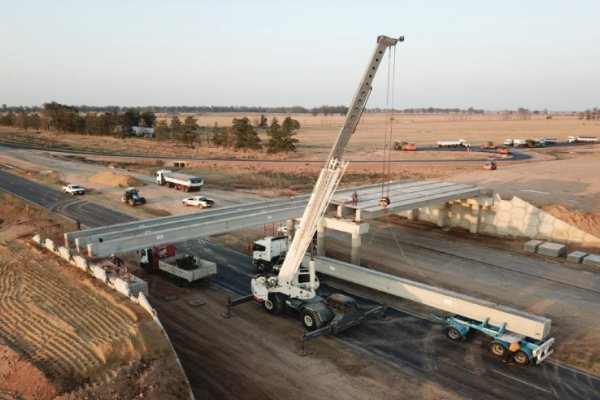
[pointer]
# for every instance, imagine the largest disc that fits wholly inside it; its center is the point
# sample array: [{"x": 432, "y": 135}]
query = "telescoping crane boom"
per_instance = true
[{"x": 279, "y": 289}]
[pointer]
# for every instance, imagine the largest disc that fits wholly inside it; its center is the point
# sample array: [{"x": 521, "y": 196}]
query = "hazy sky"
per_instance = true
[{"x": 484, "y": 54}]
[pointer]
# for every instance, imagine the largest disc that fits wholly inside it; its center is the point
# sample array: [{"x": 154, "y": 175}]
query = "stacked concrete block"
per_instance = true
[
  {"x": 532, "y": 245},
  {"x": 81, "y": 263},
  {"x": 552, "y": 249},
  {"x": 576, "y": 256},
  {"x": 592, "y": 260}
]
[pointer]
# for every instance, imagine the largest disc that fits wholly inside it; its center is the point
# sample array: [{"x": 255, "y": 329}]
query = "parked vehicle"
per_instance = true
[
  {"x": 268, "y": 252},
  {"x": 405, "y": 146},
  {"x": 490, "y": 165},
  {"x": 550, "y": 141},
  {"x": 198, "y": 201},
  {"x": 520, "y": 142},
  {"x": 453, "y": 143},
  {"x": 584, "y": 139},
  {"x": 73, "y": 189},
  {"x": 184, "y": 267},
  {"x": 503, "y": 150},
  {"x": 508, "y": 142},
  {"x": 187, "y": 183},
  {"x": 132, "y": 197}
]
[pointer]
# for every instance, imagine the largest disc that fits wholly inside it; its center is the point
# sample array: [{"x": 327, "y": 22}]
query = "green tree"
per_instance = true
[
  {"x": 148, "y": 117},
  {"x": 244, "y": 135},
  {"x": 263, "y": 123},
  {"x": 176, "y": 128},
  {"x": 190, "y": 127},
  {"x": 219, "y": 136},
  {"x": 161, "y": 130},
  {"x": 289, "y": 129},
  {"x": 275, "y": 135}
]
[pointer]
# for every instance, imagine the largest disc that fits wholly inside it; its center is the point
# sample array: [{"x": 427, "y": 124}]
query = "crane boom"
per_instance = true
[{"x": 326, "y": 185}]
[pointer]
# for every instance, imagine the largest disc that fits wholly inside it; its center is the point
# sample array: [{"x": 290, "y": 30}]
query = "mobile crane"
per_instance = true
[{"x": 293, "y": 287}]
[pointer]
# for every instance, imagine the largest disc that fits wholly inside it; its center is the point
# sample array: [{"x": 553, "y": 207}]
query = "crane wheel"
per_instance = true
[
  {"x": 274, "y": 304},
  {"x": 311, "y": 320}
]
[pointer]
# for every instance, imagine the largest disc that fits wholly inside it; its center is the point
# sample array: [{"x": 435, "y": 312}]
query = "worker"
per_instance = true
[
  {"x": 117, "y": 262},
  {"x": 510, "y": 352},
  {"x": 384, "y": 202},
  {"x": 354, "y": 198},
  {"x": 78, "y": 224}
]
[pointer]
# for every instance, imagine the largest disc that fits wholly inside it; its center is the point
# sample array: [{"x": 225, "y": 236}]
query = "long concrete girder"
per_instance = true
[
  {"x": 142, "y": 234},
  {"x": 516, "y": 321},
  {"x": 404, "y": 196}
]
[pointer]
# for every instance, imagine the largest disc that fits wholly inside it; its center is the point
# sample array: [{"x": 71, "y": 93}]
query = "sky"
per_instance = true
[{"x": 491, "y": 55}]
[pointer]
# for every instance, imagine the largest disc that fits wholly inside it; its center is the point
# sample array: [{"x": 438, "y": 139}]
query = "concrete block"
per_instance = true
[
  {"x": 81, "y": 263},
  {"x": 99, "y": 273},
  {"x": 143, "y": 301},
  {"x": 50, "y": 245},
  {"x": 133, "y": 288},
  {"x": 64, "y": 253},
  {"x": 37, "y": 239}
]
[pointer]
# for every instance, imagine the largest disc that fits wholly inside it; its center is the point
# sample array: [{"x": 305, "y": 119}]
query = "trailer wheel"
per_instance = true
[
  {"x": 311, "y": 320},
  {"x": 274, "y": 304},
  {"x": 497, "y": 349},
  {"x": 521, "y": 358},
  {"x": 454, "y": 333}
]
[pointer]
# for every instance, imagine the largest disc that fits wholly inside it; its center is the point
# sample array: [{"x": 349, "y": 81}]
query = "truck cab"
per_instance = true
[{"x": 269, "y": 252}]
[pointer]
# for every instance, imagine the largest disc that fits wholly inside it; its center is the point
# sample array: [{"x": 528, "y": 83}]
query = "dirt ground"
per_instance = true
[
  {"x": 65, "y": 336},
  {"x": 563, "y": 181}
]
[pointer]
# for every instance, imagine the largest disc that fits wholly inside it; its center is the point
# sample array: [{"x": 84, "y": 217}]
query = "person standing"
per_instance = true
[
  {"x": 354, "y": 198},
  {"x": 78, "y": 224}
]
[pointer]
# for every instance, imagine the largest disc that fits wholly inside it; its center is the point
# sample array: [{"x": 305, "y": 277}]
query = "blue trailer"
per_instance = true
[{"x": 531, "y": 351}]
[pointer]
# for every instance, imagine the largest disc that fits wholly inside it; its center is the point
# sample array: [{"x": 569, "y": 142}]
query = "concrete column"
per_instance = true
[
  {"x": 413, "y": 215},
  {"x": 320, "y": 240},
  {"x": 291, "y": 228},
  {"x": 476, "y": 218},
  {"x": 441, "y": 219},
  {"x": 355, "y": 249}
]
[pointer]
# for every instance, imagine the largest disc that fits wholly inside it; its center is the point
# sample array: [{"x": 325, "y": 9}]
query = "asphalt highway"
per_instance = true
[{"x": 411, "y": 343}]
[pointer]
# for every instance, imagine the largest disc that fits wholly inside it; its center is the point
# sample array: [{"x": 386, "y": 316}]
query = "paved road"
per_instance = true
[{"x": 412, "y": 344}]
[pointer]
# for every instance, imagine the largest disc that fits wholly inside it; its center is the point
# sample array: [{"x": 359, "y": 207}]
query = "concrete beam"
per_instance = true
[{"x": 516, "y": 321}]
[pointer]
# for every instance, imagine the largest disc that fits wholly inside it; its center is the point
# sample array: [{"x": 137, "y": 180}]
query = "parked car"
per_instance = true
[
  {"x": 73, "y": 189},
  {"x": 198, "y": 201}
]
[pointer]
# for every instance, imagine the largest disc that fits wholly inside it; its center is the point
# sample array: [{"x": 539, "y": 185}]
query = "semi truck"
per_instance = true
[
  {"x": 185, "y": 182},
  {"x": 269, "y": 252},
  {"x": 183, "y": 267},
  {"x": 582, "y": 139},
  {"x": 292, "y": 287},
  {"x": 453, "y": 143}
]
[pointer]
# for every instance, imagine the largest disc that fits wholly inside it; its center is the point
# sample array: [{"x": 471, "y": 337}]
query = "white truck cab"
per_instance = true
[{"x": 269, "y": 252}]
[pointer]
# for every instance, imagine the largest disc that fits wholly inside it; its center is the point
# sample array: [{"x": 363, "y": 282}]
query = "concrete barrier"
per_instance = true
[
  {"x": 133, "y": 288},
  {"x": 99, "y": 273},
  {"x": 50, "y": 245},
  {"x": 38, "y": 239},
  {"x": 65, "y": 253},
  {"x": 81, "y": 263},
  {"x": 143, "y": 301}
]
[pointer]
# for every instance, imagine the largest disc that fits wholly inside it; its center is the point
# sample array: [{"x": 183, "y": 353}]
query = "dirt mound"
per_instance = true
[
  {"x": 20, "y": 379},
  {"x": 586, "y": 221},
  {"x": 111, "y": 179}
]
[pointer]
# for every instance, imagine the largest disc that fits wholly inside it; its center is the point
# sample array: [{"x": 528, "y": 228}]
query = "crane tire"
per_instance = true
[
  {"x": 311, "y": 320},
  {"x": 274, "y": 304}
]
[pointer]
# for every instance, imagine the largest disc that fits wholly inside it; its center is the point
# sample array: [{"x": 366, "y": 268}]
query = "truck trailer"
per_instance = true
[
  {"x": 453, "y": 143},
  {"x": 184, "y": 267},
  {"x": 582, "y": 139},
  {"x": 185, "y": 182}
]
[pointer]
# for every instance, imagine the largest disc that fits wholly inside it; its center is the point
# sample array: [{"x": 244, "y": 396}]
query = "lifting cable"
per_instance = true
[{"x": 389, "y": 127}]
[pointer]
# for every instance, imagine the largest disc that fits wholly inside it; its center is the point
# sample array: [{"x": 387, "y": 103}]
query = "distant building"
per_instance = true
[{"x": 142, "y": 131}]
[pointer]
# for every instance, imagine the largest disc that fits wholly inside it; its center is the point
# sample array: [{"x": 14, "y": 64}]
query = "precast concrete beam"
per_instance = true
[
  {"x": 344, "y": 225},
  {"x": 451, "y": 302},
  {"x": 123, "y": 243},
  {"x": 355, "y": 249}
]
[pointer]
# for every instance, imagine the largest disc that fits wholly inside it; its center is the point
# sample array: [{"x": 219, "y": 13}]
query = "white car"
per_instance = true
[
  {"x": 73, "y": 189},
  {"x": 198, "y": 201}
]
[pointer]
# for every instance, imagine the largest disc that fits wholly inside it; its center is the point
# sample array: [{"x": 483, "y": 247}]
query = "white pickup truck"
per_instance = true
[{"x": 73, "y": 189}]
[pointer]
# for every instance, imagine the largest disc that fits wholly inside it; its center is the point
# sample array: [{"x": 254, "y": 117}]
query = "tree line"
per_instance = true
[{"x": 241, "y": 135}]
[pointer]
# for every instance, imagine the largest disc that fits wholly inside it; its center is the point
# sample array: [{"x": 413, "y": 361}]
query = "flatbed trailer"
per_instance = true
[{"x": 530, "y": 351}]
